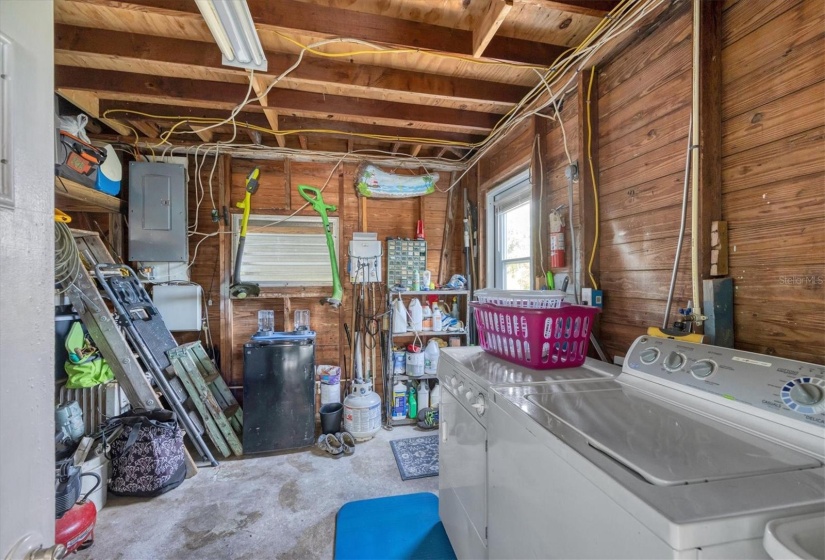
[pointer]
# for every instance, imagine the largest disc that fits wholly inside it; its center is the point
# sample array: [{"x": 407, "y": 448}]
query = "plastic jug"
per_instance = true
[
  {"x": 437, "y": 318},
  {"x": 415, "y": 315},
  {"x": 426, "y": 317},
  {"x": 425, "y": 279},
  {"x": 399, "y": 317},
  {"x": 423, "y": 395},
  {"x": 431, "y": 357},
  {"x": 399, "y": 401},
  {"x": 435, "y": 395}
]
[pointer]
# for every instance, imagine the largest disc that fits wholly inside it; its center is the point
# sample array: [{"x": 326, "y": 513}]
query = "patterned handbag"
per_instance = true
[{"x": 146, "y": 453}]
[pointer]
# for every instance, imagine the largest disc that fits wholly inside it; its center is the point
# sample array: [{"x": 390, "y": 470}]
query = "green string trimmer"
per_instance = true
[
  {"x": 319, "y": 206},
  {"x": 244, "y": 289}
]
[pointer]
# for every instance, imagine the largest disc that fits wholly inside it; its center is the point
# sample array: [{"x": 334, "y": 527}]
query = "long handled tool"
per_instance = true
[
  {"x": 242, "y": 289},
  {"x": 319, "y": 206}
]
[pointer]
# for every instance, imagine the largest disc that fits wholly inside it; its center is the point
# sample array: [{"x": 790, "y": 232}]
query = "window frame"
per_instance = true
[{"x": 508, "y": 195}]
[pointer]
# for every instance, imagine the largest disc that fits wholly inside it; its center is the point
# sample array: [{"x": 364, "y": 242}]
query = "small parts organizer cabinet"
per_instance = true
[
  {"x": 404, "y": 257},
  {"x": 403, "y": 339}
]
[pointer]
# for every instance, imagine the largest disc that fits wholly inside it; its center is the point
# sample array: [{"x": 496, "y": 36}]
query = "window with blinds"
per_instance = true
[{"x": 281, "y": 252}]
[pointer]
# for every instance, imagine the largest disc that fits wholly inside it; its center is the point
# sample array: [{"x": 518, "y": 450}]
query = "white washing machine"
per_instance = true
[
  {"x": 689, "y": 453},
  {"x": 466, "y": 375}
]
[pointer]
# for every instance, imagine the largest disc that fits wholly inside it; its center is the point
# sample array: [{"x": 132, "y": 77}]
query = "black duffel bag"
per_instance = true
[{"x": 146, "y": 453}]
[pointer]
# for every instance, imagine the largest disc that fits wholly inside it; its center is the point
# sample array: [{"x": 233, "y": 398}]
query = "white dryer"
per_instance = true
[
  {"x": 689, "y": 453},
  {"x": 466, "y": 375}
]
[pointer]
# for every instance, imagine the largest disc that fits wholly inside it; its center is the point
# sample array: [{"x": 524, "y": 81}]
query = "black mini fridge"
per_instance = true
[{"x": 279, "y": 392}]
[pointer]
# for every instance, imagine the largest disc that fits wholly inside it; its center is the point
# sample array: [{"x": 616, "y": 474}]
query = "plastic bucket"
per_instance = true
[{"x": 331, "y": 416}]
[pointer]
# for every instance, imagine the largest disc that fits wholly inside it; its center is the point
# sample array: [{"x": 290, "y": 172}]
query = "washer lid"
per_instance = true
[{"x": 665, "y": 444}]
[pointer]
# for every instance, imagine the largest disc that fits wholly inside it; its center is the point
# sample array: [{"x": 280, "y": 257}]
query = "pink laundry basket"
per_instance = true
[{"x": 536, "y": 338}]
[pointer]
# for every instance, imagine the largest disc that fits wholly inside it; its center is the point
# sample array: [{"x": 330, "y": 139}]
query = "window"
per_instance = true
[
  {"x": 291, "y": 252},
  {"x": 509, "y": 235}
]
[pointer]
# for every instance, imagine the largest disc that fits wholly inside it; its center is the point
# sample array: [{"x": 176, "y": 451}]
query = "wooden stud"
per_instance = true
[
  {"x": 260, "y": 86},
  {"x": 302, "y": 140},
  {"x": 288, "y": 322},
  {"x": 415, "y": 150},
  {"x": 225, "y": 267},
  {"x": 362, "y": 213},
  {"x": 287, "y": 184},
  {"x": 207, "y": 135},
  {"x": 116, "y": 237},
  {"x": 488, "y": 25},
  {"x": 710, "y": 127},
  {"x": 342, "y": 263}
]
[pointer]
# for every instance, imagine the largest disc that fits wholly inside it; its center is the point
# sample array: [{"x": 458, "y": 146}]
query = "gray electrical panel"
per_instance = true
[{"x": 157, "y": 212}]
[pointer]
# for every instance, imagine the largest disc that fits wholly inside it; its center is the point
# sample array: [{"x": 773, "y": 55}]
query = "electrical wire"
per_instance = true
[
  {"x": 593, "y": 180},
  {"x": 67, "y": 264}
]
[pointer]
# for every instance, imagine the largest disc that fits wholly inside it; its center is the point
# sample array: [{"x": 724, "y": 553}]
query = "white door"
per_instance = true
[{"x": 26, "y": 277}]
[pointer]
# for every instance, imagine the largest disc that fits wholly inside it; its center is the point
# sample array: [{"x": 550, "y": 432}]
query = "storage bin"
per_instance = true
[{"x": 536, "y": 338}]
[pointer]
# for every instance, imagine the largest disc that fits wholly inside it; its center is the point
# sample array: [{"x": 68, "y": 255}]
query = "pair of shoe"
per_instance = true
[
  {"x": 337, "y": 443},
  {"x": 428, "y": 418}
]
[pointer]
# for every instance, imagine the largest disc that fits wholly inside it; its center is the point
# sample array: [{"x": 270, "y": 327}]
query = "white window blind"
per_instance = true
[{"x": 292, "y": 252}]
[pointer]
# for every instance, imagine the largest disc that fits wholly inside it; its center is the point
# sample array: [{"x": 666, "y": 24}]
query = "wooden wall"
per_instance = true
[
  {"x": 773, "y": 178},
  {"x": 278, "y": 194},
  {"x": 773, "y": 173},
  {"x": 644, "y": 109}
]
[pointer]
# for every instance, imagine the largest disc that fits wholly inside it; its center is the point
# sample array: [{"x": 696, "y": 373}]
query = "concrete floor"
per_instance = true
[{"x": 276, "y": 506}]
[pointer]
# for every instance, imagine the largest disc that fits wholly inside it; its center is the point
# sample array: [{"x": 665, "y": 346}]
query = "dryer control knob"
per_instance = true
[
  {"x": 461, "y": 386},
  {"x": 649, "y": 355},
  {"x": 480, "y": 405},
  {"x": 468, "y": 395},
  {"x": 674, "y": 361},
  {"x": 703, "y": 369},
  {"x": 806, "y": 394}
]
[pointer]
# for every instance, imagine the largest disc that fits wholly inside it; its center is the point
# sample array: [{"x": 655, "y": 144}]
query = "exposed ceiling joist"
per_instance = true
[
  {"x": 327, "y": 21},
  {"x": 146, "y": 88},
  {"x": 181, "y": 53},
  {"x": 489, "y": 24},
  {"x": 290, "y": 125}
]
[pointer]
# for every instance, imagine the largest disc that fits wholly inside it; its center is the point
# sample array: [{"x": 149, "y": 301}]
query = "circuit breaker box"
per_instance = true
[{"x": 157, "y": 212}]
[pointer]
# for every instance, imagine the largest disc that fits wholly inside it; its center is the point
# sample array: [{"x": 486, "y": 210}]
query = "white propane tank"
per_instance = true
[{"x": 362, "y": 411}]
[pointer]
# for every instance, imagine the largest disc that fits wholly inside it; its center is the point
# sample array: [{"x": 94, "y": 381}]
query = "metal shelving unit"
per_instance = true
[{"x": 389, "y": 377}]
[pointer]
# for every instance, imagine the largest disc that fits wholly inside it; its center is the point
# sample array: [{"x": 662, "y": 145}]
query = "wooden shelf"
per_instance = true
[{"x": 74, "y": 197}]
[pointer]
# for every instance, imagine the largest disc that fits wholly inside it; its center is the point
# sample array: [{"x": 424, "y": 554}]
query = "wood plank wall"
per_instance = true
[
  {"x": 773, "y": 173},
  {"x": 644, "y": 109},
  {"x": 278, "y": 183}
]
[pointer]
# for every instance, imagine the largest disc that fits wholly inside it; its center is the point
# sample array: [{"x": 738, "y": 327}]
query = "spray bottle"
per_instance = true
[{"x": 412, "y": 401}]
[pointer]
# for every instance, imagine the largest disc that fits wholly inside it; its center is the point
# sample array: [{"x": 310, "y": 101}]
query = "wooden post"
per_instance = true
[
  {"x": 288, "y": 185},
  {"x": 710, "y": 128},
  {"x": 116, "y": 235},
  {"x": 342, "y": 263},
  {"x": 225, "y": 266},
  {"x": 539, "y": 239},
  {"x": 588, "y": 181}
]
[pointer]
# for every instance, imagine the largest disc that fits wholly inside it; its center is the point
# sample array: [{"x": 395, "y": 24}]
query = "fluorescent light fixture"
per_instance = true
[{"x": 234, "y": 31}]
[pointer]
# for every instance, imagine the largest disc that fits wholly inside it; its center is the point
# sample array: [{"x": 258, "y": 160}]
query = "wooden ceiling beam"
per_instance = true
[
  {"x": 88, "y": 102},
  {"x": 328, "y": 21},
  {"x": 146, "y": 127},
  {"x": 115, "y": 45},
  {"x": 294, "y": 102},
  {"x": 205, "y": 134},
  {"x": 302, "y": 140},
  {"x": 308, "y": 127},
  {"x": 260, "y": 85},
  {"x": 595, "y": 8},
  {"x": 487, "y": 26}
]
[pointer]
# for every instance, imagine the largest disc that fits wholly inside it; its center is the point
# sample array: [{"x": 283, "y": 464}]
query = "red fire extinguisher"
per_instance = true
[{"x": 557, "y": 259}]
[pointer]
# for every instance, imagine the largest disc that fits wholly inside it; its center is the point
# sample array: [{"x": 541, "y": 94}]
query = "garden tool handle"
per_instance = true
[{"x": 316, "y": 201}]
